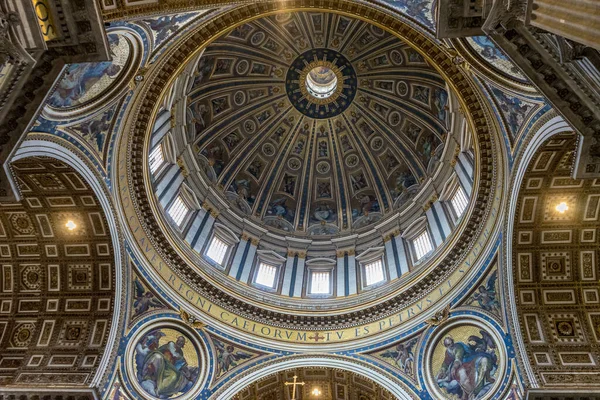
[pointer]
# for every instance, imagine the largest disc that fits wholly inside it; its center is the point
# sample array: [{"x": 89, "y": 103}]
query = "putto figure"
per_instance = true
[
  {"x": 228, "y": 357},
  {"x": 468, "y": 371},
  {"x": 486, "y": 295}
]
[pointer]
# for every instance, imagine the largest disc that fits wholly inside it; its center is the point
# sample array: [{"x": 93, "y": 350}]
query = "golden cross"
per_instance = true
[
  {"x": 316, "y": 337},
  {"x": 294, "y": 384}
]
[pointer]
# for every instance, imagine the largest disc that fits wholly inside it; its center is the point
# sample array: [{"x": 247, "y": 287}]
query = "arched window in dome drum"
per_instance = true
[
  {"x": 266, "y": 275},
  {"x": 319, "y": 282},
  {"x": 374, "y": 272},
  {"x": 459, "y": 201},
  {"x": 156, "y": 158},
  {"x": 422, "y": 245},
  {"x": 178, "y": 210},
  {"x": 217, "y": 250}
]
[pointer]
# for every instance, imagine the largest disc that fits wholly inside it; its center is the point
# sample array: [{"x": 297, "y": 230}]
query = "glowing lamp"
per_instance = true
[
  {"x": 71, "y": 225},
  {"x": 562, "y": 207}
]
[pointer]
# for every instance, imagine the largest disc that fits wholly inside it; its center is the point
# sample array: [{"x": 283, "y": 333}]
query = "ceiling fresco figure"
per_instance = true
[
  {"x": 81, "y": 81},
  {"x": 369, "y": 200}
]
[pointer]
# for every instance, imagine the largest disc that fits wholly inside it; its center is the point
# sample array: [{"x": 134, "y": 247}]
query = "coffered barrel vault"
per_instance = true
[
  {"x": 555, "y": 266},
  {"x": 57, "y": 284}
]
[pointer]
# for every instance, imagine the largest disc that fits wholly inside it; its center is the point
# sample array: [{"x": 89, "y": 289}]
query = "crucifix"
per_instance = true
[{"x": 294, "y": 384}]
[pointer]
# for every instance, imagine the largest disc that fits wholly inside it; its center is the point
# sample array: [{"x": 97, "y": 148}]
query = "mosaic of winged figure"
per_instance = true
[
  {"x": 486, "y": 294},
  {"x": 228, "y": 356},
  {"x": 402, "y": 355}
]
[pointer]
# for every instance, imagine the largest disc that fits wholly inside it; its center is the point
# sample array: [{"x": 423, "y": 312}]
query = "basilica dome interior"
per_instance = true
[{"x": 299, "y": 200}]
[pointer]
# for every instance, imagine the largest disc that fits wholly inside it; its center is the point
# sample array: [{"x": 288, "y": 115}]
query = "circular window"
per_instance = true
[{"x": 321, "y": 82}]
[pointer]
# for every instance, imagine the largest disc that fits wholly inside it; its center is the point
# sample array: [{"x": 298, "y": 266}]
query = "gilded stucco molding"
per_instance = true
[{"x": 263, "y": 370}]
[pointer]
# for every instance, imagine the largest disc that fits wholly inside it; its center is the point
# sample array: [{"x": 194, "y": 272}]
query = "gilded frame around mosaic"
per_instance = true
[
  {"x": 465, "y": 359},
  {"x": 165, "y": 360}
]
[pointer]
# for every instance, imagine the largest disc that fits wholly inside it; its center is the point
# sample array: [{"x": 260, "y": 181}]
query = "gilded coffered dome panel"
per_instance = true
[{"x": 308, "y": 162}]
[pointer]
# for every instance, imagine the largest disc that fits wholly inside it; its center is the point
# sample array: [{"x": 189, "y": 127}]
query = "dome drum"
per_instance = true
[
  {"x": 332, "y": 178},
  {"x": 329, "y": 186}
]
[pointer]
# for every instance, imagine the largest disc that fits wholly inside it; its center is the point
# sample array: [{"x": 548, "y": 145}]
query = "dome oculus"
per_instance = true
[{"x": 321, "y": 82}]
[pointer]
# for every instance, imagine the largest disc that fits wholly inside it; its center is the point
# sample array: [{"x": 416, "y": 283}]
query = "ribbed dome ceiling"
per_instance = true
[{"x": 323, "y": 162}]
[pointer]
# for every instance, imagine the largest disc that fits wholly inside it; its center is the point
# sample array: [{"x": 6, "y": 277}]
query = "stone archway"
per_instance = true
[{"x": 389, "y": 383}]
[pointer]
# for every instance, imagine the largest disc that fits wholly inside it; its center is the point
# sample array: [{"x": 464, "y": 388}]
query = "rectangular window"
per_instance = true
[
  {"x": 178, "y": 210},
  {"x": 422, "y": 245},
  {"x": 459, "y": 201},
  {"x": 374, "y": 272},
  {"x": 266, "y": 275},
  {"x": 319, "y": 282},
  {"x": 217, "y": 250},
  {"x": 156, "y": 158}
]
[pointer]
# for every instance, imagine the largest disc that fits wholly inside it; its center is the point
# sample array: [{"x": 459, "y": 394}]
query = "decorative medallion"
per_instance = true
[
  {"x": 323, "y": 167},
  {"x": 377, "y": 143},
  {"x": 249, "y": 126},
  {"x": 352, "y": 160},
  {"x": 402, "y": 88},
  {"x": 23, "y": 334},
  {"x": 294, "y": 164},
  {"x": 166, "y": 363},
  {"x": 242, "y": 67},
  {"x": 321, "y": 83},
  {"x": 22, "y": 224},
  {"x": 466, "y": 361},
  {"x": 31, "y": 278}
]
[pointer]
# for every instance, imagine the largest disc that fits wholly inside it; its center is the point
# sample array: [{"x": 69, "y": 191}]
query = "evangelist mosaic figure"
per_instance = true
[
  {"x": 163, "y": 370},
  {"x": 468, "y": 369}
]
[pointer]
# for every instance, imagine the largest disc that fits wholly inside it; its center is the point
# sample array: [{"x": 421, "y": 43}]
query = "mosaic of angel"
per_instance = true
[
  {"x": 143, "y": 300},
  {"x": 82, "y": 81},
  {"x": 490, "y": 52},
  {"x": 166, "y": 369},
  {"x": 486, "y": 295},
  {"x": 166, "y": 26},
  {"x": 419, "y": 9},
  {"x": 468, "y": 370},
  {"x": 228, "y": 356},
  {"x": 402, "y": 355},
  {"x": 514, "y": 109}
]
